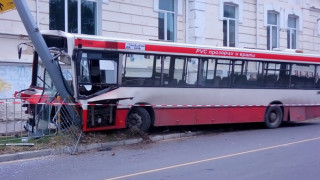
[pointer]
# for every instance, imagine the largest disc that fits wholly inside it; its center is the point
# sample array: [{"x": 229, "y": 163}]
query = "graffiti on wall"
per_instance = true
[
  {"x": 14, "y": 78},
  {"x": 4, "y": 86}
]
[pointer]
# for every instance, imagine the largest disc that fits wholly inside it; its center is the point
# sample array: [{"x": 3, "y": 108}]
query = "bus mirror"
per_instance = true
[
  {"x": 20, "y": 46},
  {"x": 19, "y": 52}
]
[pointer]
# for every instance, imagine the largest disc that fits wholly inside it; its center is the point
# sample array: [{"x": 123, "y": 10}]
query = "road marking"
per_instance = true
[
  {"x": 25, "y": 160},
  {"x": 212, "y": 159},
  {"x": 178, "y": 138}
]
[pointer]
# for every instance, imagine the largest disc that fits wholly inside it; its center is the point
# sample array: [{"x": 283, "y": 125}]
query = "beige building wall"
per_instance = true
[
  {"x": 12, "y": 31},
  {"x": 252, "y": 29},
  {"x": 136, "y": 19},
  {"x": 308, "y": 13}
]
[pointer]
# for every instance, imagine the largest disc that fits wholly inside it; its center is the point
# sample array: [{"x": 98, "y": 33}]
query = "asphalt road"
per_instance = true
[{"x": 290, "y": 152}]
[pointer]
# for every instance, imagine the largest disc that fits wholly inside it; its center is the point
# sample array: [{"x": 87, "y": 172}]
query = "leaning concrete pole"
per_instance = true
[{"x": 44, "y": 53}]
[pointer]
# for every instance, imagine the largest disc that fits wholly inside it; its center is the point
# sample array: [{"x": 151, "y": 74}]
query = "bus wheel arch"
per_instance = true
[
  {"x": 140, "y": 118},
  {"x": 274, "y": 115}
]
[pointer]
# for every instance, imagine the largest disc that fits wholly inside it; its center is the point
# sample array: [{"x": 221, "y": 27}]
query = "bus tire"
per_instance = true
[
  {"x": 139, "y": 118},
  {"x": 273, "y": 117}
]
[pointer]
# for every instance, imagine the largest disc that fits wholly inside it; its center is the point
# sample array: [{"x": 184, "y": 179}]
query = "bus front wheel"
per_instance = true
[
  {"x": 273, "y": 117},
  {"x": 139, "y": 118}
]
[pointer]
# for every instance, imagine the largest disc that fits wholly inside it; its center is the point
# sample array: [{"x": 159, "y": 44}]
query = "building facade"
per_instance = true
[{"x": 268, "y": 24}]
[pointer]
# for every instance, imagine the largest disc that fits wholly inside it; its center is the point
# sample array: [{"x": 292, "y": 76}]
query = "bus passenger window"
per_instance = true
[
  {"x": 186, "y": 71},
  {"x": 253, "y": 72},
  {"x": 178, "y": 70},
  {"x": 303, "y": 76},
  {"x": 140, "y": 70},
  {"x": 271, "y": 74},
  {"x": 207, "y": 73},
  {"x": 192, "y": 71},
  {"x": 238, "y": 78},
  {"x": 223, "y": 70},
  {"x": 317, "y": 80}
]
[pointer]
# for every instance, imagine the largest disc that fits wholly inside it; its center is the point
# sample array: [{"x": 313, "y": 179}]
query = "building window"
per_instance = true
[
  {"x": 74, "y": 16},
  {"x": 229, "y": 25},
  {"x": 272, "y": 30},
  {"x": 292, "y": 32},
  {"x": 167, "y": 20}
]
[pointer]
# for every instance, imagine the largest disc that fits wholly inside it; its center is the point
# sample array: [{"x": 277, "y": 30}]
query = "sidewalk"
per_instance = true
[{"x": 94, "y": 146}]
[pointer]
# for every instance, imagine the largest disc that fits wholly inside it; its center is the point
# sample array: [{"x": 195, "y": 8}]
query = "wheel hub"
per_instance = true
[
  {"x": 273, "y": 117},
  {"x": 135, "y": 120}
]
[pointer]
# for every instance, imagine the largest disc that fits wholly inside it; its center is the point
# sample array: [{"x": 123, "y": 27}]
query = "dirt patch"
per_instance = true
[
  {"x": 55, "y": 142},
  {"x": 39, "y": 143}
]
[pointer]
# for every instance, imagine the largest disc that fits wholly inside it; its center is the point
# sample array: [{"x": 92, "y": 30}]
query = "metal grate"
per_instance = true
[
  {"x": 45, "y": 119},
  {"x": 12, "y": 119}
]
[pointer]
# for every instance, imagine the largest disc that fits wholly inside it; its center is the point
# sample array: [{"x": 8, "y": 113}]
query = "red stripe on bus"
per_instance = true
[
  {"x": 99, "y": 44},
  {"x": 228, "y": 53},
  {"x": 198, "y": 51}
]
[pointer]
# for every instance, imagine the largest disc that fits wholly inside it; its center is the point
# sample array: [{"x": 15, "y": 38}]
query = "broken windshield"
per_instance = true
[{"x": 96, "y": 72}]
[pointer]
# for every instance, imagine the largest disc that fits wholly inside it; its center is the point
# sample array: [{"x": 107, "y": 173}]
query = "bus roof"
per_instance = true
[{"x": 179, "y": 49}]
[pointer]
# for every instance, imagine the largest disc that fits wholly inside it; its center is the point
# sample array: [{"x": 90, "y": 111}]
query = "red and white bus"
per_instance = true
[{"x": 150, "y": 83}]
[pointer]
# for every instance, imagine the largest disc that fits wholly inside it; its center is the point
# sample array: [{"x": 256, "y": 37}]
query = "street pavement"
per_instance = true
[{"x": 289, "y": 152}]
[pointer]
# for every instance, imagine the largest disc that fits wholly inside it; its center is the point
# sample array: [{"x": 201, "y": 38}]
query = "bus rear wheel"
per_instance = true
[
  {"x": 273, "y": 117},
  {"x": 139, "y": 118}
]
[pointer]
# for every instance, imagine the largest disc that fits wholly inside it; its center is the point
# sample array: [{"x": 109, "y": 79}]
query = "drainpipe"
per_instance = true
[
  {"x": 37, "y": 12},
  {"x": 187, "y": 22},
  {"x": 257, "y": 24}
]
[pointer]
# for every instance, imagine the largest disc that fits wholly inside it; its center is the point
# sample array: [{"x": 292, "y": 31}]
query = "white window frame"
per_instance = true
[
  {"x": 291, "y": 30},
  {"x": 165, "y": 28},
  {"x": 318, "y": 24},
  {"x": 238, "y": 3},
  {"x": 228, "y": 19},
  {"x": 178, "y": 8},
  {"x": 98, "y": 15},
  {"x": 177, "y": 12},
  {"x": 166, "y": 24},
  {"x": 271, "y": 27}
]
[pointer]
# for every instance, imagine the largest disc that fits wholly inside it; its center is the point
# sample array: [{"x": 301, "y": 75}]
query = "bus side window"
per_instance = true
[
  {"x": 138, "y": 70},
  {"x": 253, "y": 72},
  {"x": 317, "y": 80},
  {"x": 271, "y": 74},
  {"x": 224, "y": 69},
  {"x": 192, "y": 71},
  {"x": 303, "y": 76},
  {"x": 178, "y": 74},
  {"x": 239, "y": 79},
  {"x": 186, "y": 71},
  {"x": 207, "y": 74}
]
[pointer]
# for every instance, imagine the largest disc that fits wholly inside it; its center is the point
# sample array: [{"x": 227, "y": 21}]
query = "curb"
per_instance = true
[{"x": 95, "y": 146}]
